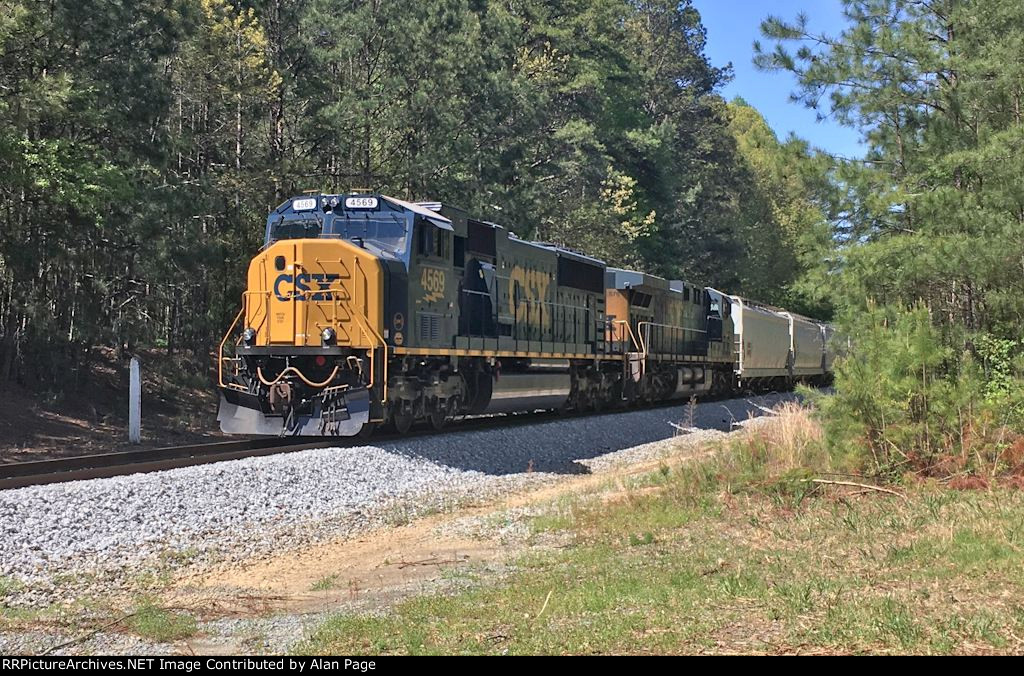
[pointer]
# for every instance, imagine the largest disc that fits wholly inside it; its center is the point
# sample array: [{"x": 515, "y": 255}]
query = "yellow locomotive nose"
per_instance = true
[{"x": 315, "y": 293}]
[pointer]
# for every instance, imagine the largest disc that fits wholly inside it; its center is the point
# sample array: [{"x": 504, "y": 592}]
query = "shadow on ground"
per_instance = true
[{"x": 558, "y": 447}]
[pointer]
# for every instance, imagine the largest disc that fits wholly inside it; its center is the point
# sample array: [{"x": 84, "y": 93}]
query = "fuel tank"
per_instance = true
[
  {"x": 538, "y": 385},
  {"x": 690, "y": 380}
]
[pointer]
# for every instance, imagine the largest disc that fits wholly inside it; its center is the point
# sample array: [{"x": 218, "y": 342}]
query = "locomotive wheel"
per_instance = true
[
  {"x": 438, "y": 418},
  {"x": 403, "y": 422},
  {"x": 367, "y": 430}
]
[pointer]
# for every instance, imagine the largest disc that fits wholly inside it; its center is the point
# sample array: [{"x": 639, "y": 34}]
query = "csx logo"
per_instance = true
[
  {"x": 529, "y": 295},
  {"x": 288, "y": 287}
]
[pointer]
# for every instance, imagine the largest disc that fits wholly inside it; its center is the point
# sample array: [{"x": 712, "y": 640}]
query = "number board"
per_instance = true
[{"x": 361, "y": 202}]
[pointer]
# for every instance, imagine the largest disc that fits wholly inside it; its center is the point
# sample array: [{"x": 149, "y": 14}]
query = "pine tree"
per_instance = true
[{"x": 932, "y": 218}]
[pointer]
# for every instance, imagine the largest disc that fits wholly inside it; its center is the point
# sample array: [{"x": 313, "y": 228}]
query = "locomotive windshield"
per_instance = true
[
  {"x": 307, "y": 227},
  {"x": 387, "y": 231}
]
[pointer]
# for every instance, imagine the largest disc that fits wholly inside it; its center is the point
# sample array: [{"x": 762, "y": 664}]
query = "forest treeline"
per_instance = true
[
  {"x": 143, "y": 142},
  {"x": 927, "y": 262}
]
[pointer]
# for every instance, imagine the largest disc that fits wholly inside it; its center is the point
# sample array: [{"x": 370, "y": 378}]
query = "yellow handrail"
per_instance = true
[
  {"x": 364, "y": 326},
  {"x": 632, "y": 336},
  {"x": 220, "y": 353},
  {"x": 300, "y": 374},
  {"x": 643, "y": 342}
]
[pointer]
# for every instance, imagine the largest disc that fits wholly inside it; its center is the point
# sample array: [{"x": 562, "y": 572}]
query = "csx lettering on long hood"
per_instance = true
[{"x": 297, "y": 287}]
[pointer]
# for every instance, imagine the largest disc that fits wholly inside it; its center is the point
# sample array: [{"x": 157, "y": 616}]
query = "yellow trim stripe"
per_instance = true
[
  {"x": 430, "y": 352},
  {"x": 442, "y": 352}
]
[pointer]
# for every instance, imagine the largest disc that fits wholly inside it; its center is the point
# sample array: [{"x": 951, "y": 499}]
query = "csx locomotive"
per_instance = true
[{"x": 364, "y": 309}]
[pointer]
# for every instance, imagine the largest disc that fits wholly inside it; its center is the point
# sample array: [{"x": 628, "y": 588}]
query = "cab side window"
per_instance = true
[
  {"x": 434, "y": 242},
  {"x": 426, "y": 239}
]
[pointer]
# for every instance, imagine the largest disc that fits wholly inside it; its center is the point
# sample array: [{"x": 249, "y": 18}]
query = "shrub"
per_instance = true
[
  {"x": 776, "y": 457},
  {"x": 907, "y": 401}
]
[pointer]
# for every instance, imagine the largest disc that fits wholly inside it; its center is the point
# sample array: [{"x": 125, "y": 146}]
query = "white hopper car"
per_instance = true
[{"x": 774, "y": 346}]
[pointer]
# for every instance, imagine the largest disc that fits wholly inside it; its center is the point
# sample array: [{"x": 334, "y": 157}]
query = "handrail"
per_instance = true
[
  {"x": 548, "y": 305},
  {"x": 220, "y": 353},
  {"x": 365, "y": 326},
  {"x": 670, "y": 326},
  {"x": 300, "y": 374},
  {"x": 645, "y": 334},
  {"x": 632, "y": 336}
]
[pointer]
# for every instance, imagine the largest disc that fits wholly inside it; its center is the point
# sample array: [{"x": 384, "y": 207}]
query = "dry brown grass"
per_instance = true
[
  {"x": 778, "y": 454},
  {"x": 791, "y": 439}
]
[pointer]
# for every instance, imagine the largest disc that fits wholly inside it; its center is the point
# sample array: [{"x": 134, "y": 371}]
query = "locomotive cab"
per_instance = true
[{"x": 307, "y": 354}]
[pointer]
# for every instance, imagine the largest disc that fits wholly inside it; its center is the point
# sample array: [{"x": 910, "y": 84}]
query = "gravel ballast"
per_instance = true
[{"x": 111, "y": 528}]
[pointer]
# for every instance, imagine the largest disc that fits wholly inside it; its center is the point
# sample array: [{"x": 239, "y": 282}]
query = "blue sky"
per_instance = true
[{"x": 732, "y": 27}]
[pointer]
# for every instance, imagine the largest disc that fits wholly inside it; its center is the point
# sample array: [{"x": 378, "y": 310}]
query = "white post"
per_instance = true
[{"x": 135, "y": 403}]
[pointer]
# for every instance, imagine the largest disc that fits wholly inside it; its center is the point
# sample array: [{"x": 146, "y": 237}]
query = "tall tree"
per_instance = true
[
  {"x": 782, "y": 213},
  {"x": 219, "y": 179},
  {"x": 77, "y": 143},
  {"x": 933, "y": 218}
]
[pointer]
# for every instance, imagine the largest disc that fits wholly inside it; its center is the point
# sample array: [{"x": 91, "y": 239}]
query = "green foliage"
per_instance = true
[
  {"x": 782, "y": 220},
  {"x": 325, "y": 583},
  {"x": 927, "y": 263},
  {"x": 142, "y": 144},
  {"x": 159, "y": 624},
  {"x": 893, "y": 397},
  {"x": 8, "y": 586},
  {"x": 908, "y": 398},
  {"x": 1002, "y": 360}
]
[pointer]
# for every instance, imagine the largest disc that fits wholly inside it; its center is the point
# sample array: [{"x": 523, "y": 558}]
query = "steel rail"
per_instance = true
[{"x": 106, "y": 465}]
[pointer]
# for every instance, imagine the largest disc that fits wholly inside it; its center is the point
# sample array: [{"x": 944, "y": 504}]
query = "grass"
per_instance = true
[
  {"x": 8, "y": 586},
  {"x": 12, "y": 618},
  {"x": 160, "y": 624},
  {"x": 147, "y": 619},
  {"x": 737, "y": 554},
  {"x": 325, "y": 583},
  {"x": 19, "y": 619}
]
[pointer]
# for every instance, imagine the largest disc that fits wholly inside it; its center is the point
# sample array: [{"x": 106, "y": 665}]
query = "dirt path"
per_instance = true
[{"x": 385, "y": 566}]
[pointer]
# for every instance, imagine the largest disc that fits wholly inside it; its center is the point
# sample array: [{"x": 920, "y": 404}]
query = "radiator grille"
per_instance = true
[{"x": 429, "y": 327}]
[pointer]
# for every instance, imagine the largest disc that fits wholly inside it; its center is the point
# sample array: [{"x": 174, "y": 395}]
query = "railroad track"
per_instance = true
[
  {"x": 105, "y": 465},
  {"x": 102, "y": 465}
]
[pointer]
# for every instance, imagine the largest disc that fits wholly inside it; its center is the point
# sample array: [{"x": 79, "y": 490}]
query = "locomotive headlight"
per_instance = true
[
  {"x": 249, "y": 336},
  {"x": 327, "y": 336}
]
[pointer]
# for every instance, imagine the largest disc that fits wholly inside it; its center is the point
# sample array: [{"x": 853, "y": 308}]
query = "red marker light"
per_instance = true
[{"x": 321, "y": 360}]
